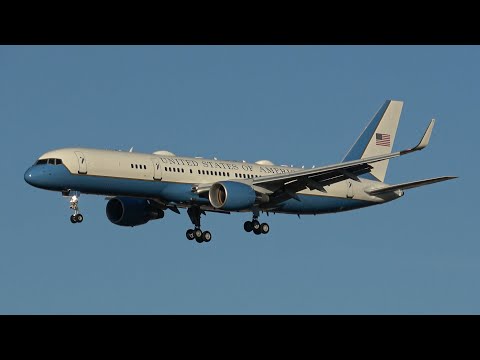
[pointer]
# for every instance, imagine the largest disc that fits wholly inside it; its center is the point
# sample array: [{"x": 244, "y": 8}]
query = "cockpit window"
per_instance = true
[{"x": 49, "y": 161}]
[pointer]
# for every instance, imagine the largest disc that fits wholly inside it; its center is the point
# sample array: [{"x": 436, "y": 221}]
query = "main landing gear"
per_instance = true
[
  {"x": 200, "y": 236},
  {"x": 255, "y": 226},
  {"x": 76, "y": 217}
]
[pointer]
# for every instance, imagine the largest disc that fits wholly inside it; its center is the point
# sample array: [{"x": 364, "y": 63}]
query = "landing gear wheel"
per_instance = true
[
  {"x": 194, "y": 213},
  {"x": 248, "y": 226},
  {"x": 265, "y": 228},
  {"x": 198, "y": 234},
  {"x": 76, "y": 217},
  {"x": 255, "y": 225},
  {"x": 190, "y": 234},
  {"x": 206, "y": 236},
  {"x": 257, "y": 231}
]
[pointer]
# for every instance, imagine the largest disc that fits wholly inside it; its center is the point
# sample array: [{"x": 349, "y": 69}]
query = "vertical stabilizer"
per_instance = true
[{"x": 378, "y": 138}]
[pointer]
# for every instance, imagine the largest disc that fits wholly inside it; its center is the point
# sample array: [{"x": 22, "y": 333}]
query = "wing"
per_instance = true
[
  {"x": 283, "y": 186},
  {"x": 286, "y": 185}
]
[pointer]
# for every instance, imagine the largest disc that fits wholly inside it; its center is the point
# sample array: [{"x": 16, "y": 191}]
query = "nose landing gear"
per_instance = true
[{"x": 76, "y": 217}]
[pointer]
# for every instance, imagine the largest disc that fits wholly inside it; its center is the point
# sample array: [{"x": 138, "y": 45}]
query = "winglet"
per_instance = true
[{"x": 425, "y": 139}]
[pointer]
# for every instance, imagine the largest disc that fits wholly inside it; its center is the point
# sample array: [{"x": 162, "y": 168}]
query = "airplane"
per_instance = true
[{"x": 140, "y": 187}]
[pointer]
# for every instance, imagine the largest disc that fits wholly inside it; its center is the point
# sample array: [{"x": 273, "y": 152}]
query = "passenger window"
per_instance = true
[
  {"x": 244, "y": 176},
  {"x": 191, "y": 172},
  {"x": 183, "y": 170},
  {"x": 136, "y": 166},
  {"x": 169, "y": 169},
  {"x": 236, "y": 175},
  {"x": 198, "y": 172},
  {"x": 228, "y": 174},
  {"x": 203, "y": 172},
  {"x": 166, "y": 168},
  {"x": 132, "y": 165},
  {"x": 215, "y": 173},
  {"x": 173, "y": 169}
]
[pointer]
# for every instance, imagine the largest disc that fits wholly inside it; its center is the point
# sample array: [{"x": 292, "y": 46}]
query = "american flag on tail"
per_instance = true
[{"x": 382, "y": 139}]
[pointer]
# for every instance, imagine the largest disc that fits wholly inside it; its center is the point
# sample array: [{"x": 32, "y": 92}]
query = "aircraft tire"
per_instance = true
[
  {"x": 190, "y": 235},
  {"x": 206, "y": 236},
  {"x": 265, "y": 228},
  {"x": 198, "y": 234},
  {"x": 248, "y": 226}
]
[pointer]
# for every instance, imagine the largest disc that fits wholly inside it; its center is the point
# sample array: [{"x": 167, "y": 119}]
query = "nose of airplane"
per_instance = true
[
  {"x": 33, "y": 176},
  {"x": 28, "y": 176}
]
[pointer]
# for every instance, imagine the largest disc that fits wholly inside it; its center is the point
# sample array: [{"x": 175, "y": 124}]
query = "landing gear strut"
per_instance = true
[
  {"x": 76, "y": 217},
  {"x": 255, "y": 226},
  {"x": 200, "y": 236}
]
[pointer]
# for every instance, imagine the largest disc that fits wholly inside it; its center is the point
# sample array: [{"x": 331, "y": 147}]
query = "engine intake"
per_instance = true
[
  {"x": 231, "y": 195},
  {"x": 125, "y": 211}
]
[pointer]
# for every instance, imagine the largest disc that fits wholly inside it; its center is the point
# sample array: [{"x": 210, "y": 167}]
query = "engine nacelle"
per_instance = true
[
  {"x": 126, "y": 211},
  {"x": 231, "y": 195}
]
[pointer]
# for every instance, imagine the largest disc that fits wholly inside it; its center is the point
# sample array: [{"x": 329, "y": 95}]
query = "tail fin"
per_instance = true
[{"x": 378, "y": 138}]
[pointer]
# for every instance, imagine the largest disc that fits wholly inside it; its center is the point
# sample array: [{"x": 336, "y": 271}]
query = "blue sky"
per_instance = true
[{"x": 300, "y": 105}]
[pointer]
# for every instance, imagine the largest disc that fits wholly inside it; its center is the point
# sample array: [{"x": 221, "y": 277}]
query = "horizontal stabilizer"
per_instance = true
[{"x": 409, "y": 185}]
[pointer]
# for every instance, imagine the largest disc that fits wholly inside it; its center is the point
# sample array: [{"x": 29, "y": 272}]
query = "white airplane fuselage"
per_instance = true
[{"x": 171, "y": 179}]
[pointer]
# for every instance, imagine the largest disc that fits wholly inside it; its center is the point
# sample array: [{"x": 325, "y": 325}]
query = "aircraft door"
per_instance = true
[
  {"x": 157, "y": 169},
  {"x": 82, "y": 162},
  {"x": 349, "y": 189}
]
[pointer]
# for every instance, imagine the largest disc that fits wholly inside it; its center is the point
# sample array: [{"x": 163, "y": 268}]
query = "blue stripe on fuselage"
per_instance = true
[
  {"x": 311, "y": 204},
  {"x": 58, "y": 178}
]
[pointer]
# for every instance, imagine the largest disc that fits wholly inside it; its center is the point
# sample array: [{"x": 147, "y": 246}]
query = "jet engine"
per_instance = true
[
  {"x": 231, "y": 195},
  {"x": 126, "y": 211}
]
